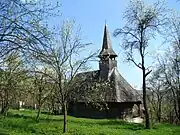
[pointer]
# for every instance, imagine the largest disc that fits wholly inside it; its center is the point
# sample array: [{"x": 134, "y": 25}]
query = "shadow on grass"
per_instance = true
[
  {"x": 3, "y": 132},
  {"x": 26, "y": 123},
  {"x": 33, "y": 118},
  {"x": 116, "y": 124},
  {"x": 23, "y": 123}
]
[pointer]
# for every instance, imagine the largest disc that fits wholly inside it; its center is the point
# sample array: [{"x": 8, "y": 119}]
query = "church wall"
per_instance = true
[{"x": 116, "y": 110}]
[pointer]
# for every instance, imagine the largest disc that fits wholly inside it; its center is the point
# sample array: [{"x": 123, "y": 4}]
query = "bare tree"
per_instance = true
[
  {"x": 65, "y": 60},
  {"x": 171, "y": 63},
  {"x": 143, "y": 21},
  {"x": 157, "y": 91},
  {"x": 43, "y": 89},
  {"x": 171, "y": 68}
]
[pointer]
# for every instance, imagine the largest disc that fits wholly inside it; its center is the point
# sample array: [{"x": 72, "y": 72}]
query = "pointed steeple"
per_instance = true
[{"x": 107, "y": 46}]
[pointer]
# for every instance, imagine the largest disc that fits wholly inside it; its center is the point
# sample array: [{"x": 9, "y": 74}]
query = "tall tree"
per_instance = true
[
  {"x": 171, "y": 63},
  {"x": 42, "y": 89},
  {"x": 157, "y": 91},
  {"x": 65, "y": 60},
  {"x": 143, "y": 21}
]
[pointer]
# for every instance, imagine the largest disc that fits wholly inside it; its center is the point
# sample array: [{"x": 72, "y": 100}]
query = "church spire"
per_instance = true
[{"x": 107, "y": 46}]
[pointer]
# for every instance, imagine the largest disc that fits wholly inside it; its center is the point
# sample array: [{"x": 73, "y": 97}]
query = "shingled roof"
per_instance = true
[
  {"x": 121, "y": 90},
  {"x": 124, "y": 91}
]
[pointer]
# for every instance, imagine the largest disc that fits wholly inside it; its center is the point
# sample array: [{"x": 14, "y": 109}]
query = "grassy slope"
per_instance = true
[{"x": 23, "y": 123}]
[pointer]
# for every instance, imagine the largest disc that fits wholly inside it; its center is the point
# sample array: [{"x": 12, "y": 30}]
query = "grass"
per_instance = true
[{"x": 23, "y": 123}]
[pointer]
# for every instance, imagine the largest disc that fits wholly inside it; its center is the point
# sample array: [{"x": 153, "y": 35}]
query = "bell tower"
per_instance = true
[{"x": 107, "y": 56}]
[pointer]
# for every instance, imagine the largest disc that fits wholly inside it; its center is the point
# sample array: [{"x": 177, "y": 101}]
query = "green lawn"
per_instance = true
[{"x": 23, "y": 123}]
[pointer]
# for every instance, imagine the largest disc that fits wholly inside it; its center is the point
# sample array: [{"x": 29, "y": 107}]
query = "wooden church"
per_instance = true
[{"x": 120, "y": 97}]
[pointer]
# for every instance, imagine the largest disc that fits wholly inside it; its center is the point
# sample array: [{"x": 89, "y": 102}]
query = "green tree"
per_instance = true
[{"x": 12, "y": 75}]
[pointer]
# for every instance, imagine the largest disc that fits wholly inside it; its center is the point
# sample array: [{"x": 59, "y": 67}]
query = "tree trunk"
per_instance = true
[
  {"x": 178, "y": 98},
  {"x": 145, "y": 101},
  {"x": 4, "y": 110},
  {"x": 159, "y": 112},
  {"x": 5, "y": 105},
  {"x": 38, "y": 114},
  {"x": 65, "y": 117}
]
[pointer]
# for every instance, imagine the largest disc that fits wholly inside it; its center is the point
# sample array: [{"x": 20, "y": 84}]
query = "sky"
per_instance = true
[{"x": 91, "y": 15}]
